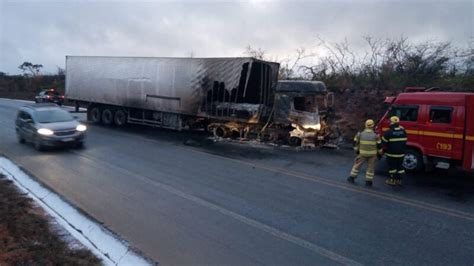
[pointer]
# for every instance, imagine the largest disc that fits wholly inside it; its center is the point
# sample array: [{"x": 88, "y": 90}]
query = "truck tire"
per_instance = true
[
  {"x": 120, "y": 118},
  {"x": 95, "y": 114},
  {"x": 220, "y": 132},
  {"x": 294, "y": 141},
  {"x": 413, "y": 161},
  {"x": 107, "y": 117}
]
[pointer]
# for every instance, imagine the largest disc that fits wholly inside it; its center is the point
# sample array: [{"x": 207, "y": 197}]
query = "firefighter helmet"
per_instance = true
[
  {"x": 394, "y": 120},
  {"x": 369, "y": 123}
]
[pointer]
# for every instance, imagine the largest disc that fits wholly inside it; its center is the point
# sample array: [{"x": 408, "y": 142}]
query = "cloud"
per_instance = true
[{"x": 45, "y": 32}]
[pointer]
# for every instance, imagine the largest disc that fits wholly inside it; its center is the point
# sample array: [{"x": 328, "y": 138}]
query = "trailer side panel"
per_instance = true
[{"x": 208, "y": 87}]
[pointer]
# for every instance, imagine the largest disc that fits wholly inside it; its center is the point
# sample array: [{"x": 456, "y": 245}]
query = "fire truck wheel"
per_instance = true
[{"x": 413, "y": 161}]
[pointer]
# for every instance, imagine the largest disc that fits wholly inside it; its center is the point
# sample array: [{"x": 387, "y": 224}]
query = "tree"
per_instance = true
[
  {"x": 255, "y": 53},
  {"x": 61, "y": 72},
  {"x": 33, "y": 69}
]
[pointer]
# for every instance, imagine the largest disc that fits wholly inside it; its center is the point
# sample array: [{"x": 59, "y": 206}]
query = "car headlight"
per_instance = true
[
  {"x": 315, "y": 126},
  {"x": 45, "y": 132},
  {"x": 81, "y": 128}
]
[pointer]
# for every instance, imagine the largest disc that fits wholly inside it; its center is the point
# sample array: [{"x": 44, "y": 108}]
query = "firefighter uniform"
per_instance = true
[
  {"x": 367, "y": 145},
  {"x": 394, "y": 142}
]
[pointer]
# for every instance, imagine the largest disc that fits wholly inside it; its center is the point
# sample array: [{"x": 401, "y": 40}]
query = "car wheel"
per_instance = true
[
  {"x": 120, "y": 118},
  {"x": 21, "y": 139},
  {"x": 413, "y": 161},
  {"x": 38, "y": 145},
  {"x": 107, "y": 117},
  {"x": 95, "y": 114}
]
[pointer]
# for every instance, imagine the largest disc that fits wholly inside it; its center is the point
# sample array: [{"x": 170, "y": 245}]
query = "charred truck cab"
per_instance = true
[{"x": 303, "y": 105}]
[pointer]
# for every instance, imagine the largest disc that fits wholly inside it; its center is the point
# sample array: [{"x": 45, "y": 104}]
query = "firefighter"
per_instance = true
[
  {"x": 394, "y": 143},
  {"x": 368, "y": 147}
]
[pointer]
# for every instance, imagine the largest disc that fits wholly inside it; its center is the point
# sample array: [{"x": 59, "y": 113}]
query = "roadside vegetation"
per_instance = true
[
  {"x": 26, "y": 237},
  {"x": 361, "y": 78}
]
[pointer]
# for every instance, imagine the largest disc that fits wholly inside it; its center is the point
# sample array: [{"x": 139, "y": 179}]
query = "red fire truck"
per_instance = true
[{"x": 440, "y": 128}]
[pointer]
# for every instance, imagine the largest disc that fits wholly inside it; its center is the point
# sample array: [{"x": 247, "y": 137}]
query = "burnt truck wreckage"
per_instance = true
[{"x": 231, "y": 97}]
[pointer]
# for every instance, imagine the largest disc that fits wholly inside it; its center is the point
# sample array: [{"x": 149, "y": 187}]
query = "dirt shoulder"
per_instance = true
[{"x": 26, "y": 236}]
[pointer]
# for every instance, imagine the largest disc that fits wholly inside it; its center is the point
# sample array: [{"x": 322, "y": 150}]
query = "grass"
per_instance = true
[{"x": 26, "y": 237}]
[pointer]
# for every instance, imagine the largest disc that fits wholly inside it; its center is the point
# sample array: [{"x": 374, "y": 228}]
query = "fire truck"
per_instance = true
[{"x": 439, "y": 125}]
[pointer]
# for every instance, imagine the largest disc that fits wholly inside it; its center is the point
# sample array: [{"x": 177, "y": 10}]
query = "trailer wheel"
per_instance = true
[
  {"x": 120, "y": 118},
  {"x": 413, "y": 161},
  {"x": 94, "y": 114},
  {"x": 107, "y": 117}
]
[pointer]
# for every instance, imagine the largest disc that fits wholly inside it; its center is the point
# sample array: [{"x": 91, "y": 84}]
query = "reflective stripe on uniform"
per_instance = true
[
  {"x": 384, "y": 139},
  {"x": 401, "y": 171},
  {"x": 354, "y": 173},
  {"x": 368, "y": 142},
  {"x": 392, "y": 171},
  {"x": 395, "y": 155},
  {"x": 397, "y": 139},
  {"x": 364, "y": 152}
]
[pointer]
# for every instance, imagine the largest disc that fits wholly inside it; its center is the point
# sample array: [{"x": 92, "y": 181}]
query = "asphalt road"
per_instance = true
[{"x": 183, "y": 199}]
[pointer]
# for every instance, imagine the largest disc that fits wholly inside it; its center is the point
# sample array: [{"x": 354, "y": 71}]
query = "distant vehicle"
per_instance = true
[
  {"x": 50, "y": 96},
  {"x": 230, "y": 97},
  {"x": 47, "y": 125},
  {"x": 439, "y": 125}
]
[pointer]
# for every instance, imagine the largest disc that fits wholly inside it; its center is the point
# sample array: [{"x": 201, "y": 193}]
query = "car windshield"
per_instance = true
[{"x": 53, "y": 116}]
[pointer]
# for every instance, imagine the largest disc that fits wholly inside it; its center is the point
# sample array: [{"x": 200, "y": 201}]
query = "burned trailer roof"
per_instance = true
[{"x": 301, "y": 86}]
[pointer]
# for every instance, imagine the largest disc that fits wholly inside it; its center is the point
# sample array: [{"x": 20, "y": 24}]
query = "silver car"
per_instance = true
[{"x": 47, "y": 125}]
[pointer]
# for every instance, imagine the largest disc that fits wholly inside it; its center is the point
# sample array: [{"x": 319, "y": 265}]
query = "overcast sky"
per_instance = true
[{"x": 44, "y": 32}]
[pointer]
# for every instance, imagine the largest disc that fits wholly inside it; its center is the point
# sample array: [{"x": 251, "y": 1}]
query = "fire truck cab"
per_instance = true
[{"x": 440, "y": 128}]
